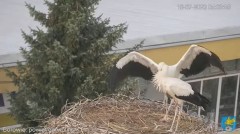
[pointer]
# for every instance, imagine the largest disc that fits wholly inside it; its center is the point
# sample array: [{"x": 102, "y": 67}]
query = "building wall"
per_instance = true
[
  {"x": 6, "y": 84},
  {"x": 226, "y": 49}
]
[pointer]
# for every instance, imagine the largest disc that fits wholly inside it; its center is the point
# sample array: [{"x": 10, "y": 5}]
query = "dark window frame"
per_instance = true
[{"x": 1, "y": 100}]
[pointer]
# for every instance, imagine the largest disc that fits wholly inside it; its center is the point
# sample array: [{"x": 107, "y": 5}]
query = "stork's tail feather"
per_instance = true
[
  {"x": 204, "y": 102},
  {"x": 196, "y": 99}
]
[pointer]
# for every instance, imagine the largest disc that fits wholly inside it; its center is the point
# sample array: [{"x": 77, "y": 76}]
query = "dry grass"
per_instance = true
[{"x": 118, "y": 115}]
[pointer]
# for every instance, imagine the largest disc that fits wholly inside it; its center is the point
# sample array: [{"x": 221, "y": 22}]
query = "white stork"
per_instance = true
[
  {"x": 194, "y": 61},
  {"x": 180, "y": 91}
]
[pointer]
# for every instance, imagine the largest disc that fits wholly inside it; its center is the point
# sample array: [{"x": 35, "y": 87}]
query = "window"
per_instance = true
[
  {"x": 238, "y": 108},
  {"x": 226, "y": 100},
  {"x": 228, "y": 94},
  {"x": 210, "y": 89},
  {"x": 1, "y": 100}
]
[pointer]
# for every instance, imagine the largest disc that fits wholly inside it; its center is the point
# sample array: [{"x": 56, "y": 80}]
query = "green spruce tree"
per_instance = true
[{"x": 66, "y": 60}]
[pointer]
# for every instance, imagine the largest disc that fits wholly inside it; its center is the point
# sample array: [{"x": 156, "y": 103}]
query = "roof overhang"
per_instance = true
[{"x": 181, "y": 39}]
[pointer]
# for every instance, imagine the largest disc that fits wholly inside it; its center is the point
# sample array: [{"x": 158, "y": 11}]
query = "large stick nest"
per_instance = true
[{"x": 121, "y": 114}]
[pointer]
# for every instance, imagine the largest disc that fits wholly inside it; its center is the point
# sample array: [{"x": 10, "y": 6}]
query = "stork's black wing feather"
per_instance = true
[
  {"x": 133, "y": 69},
  {"x": 202, "y": 61},
  {"x": 196, "y": 99}
]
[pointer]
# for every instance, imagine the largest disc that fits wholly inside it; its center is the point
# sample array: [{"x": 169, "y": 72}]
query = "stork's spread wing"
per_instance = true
[
  {"x": 196, "y": 59},
  {"x": 133, "y": 64}
]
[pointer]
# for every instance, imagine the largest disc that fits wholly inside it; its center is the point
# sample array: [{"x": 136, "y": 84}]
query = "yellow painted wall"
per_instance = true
[
  {"x": 226, "y": 49},
  {"x": 6, "y": 84},
  {"x": 7, "y": 120}
]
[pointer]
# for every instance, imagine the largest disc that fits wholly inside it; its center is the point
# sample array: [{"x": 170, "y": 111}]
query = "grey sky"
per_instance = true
[{"x": 145, "y": 17}]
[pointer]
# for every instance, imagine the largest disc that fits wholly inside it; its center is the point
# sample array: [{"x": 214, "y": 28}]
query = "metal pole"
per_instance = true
[{"x": 218, "y": 102}]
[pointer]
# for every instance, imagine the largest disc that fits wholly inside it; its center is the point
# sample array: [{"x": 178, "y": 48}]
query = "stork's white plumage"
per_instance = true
[
  {"x": 180, "y": 91},
  {"x": 194, "y": 61}
]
